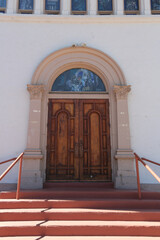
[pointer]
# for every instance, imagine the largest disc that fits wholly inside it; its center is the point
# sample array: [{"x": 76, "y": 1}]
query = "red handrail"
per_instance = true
[
  {"x": 8, "y": 160},
  {"x": 138, "y": 178},
  {"x": 145, "y": 159},
  {"x": 148, "y": 168},
  {"x": 20, "y": 157}
]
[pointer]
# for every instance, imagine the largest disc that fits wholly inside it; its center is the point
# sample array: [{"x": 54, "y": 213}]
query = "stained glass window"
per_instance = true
[
  {"x": 3, "y": 6},
  {"x": 52, "y": 5},
  {"x": 26, "y": 5},
  {"x": 79, "y": 6},
  {"x": 105, "y": 6},
  {"x": 2, "y": 3},
  {"x": 155, "y": 6},
  {"x": 78, "y": 80},
  {"x": 131, "y": 5}
]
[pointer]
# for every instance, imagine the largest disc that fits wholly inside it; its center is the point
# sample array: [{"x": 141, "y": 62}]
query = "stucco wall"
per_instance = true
[{"x": 135, "y": 48}]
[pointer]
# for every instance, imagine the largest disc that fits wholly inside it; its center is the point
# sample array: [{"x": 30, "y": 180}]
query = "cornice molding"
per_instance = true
[{"x": 111, "y": 19}]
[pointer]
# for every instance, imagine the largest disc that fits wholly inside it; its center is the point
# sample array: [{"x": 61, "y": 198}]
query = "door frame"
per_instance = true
[{"x": 117, "y": 92}]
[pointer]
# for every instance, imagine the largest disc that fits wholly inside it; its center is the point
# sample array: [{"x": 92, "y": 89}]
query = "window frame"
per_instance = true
[
  {"x": 132, "y": 12},
  {"x": 2, "y": 9},
  {"x": 52, "y": 11},
  {"x": 154, "y": 11},
  {"x": 105, "y": 12},
  {"x": 79, "y": 12},
  {"x": 27, "y": 11}
]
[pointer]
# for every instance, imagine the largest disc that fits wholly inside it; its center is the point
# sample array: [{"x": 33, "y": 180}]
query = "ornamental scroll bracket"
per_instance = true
[
  {"x": 121, "y": 92},
  {"x": 36, "y": 91}
]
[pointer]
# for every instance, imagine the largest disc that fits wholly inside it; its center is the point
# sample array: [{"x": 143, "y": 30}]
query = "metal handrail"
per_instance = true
[
  {"x": 20, "y": 157},
  {"x": 8, "y": 160},
  {"x": 138, "y": 159}
]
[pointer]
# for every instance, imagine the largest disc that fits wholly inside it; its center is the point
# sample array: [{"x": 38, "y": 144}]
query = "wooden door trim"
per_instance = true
[{"x": 95, "y": 95}]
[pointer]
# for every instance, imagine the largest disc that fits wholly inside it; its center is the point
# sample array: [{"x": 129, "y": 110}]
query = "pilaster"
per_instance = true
[
  {"x": 10, "y": 6},
  {"x": 38, "y": 7},
  {"x": 92, "y": 7},
  {"x": 31, "y": 176},
  {"x": 15, "y": 6},
  {"x": 65, "y": 7},
  {"x": 126, "y": 177},
  {"x": 147, "y": 7},
  {"x": 119, "y": 7}
]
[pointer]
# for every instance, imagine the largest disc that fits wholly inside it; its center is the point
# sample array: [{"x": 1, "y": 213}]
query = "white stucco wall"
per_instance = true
[{"x": 134, "y": 46}]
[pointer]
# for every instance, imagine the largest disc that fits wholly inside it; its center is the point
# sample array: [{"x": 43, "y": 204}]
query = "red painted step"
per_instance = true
[
  {"x": 77, "y": 185},
  {"x": 81, "y": 203},
  {"x": 71, "y": 211},
  {"x": 78, "y": 214},
  {"x": 80, "y": 228},
  {"x": 81, "y": 238},
  {"x": 73, "y": 193}
]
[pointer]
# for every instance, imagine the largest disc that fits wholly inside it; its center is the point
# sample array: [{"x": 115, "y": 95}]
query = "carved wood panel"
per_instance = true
[{"x": 95, "y": 136}]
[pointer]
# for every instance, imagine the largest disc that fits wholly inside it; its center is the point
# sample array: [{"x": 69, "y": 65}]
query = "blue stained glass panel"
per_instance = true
[
  {"x": 155, "y": 5},
  {"x": 78, "y": 80},
  {"x": 26, "y": 4},
  {"x": 78, "y": 5},
  {"x": 104, "y": 5},
  {"x": 52, "y": 5},
  {"x": 2, "y": 3},
  {"x": 131, "y": 5}
]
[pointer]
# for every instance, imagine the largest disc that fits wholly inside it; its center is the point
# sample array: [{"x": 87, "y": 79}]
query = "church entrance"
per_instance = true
[
  {"x": 78, "y": 141},
  {"x": 69, "y": 133}
]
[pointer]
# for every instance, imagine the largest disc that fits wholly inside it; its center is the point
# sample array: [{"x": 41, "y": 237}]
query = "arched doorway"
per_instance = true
[
  {"x": 115, "y": 95},
  {"x": 78, "y": 138}
]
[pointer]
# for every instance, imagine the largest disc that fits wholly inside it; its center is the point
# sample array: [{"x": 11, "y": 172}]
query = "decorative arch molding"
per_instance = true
[
  {"x": 78, "y": 57},
  {"x": 117, "y": 92}
]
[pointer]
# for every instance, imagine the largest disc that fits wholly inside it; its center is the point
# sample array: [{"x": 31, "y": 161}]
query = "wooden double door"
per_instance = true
[{"x": 78, "y": 142}]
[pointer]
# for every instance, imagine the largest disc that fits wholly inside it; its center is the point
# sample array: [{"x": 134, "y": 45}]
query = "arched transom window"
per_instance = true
[{"x": 78, "y": 80}]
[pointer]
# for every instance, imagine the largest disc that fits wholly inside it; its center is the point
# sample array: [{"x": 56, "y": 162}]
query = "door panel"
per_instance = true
[
  {"x": 61, "y": 140},
  {"x": 95, "y": 135},
  {"x": 78, "y": 145},
  {"x": 94, "y": 139}
]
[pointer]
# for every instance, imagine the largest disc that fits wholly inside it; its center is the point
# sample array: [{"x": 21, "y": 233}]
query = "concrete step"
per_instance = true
[
  {"x": 81, "y": 203},
  {"x": 73, "y": 193},
  {"x": 78, "y": 214},
  {"x": 79, "y": 228}
]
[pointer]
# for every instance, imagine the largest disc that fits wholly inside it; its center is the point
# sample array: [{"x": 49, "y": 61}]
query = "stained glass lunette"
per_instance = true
[{"x": 78, "y": 80}]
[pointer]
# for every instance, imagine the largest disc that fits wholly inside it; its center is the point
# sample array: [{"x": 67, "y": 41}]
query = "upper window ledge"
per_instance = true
[{"x": 87, "y": 19}]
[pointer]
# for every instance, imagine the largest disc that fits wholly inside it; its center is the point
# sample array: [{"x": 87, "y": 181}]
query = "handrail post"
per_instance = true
[
  {"x": 19, "y": 178},
  {"x": 138, "y": 179}
]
